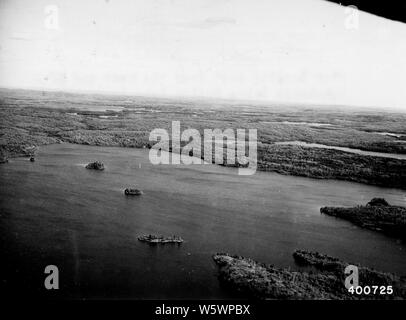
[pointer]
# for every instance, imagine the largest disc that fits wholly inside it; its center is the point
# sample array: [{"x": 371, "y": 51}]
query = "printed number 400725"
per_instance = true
[{"x": 371, "y": 290}]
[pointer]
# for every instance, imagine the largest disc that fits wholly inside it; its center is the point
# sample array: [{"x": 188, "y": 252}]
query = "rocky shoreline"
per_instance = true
[
  {"x": 96, "y": 165},
  {"x": 377, "y": 215},
  {"x": 154, "y": 239},
  {"x": 326, "y": 280}
]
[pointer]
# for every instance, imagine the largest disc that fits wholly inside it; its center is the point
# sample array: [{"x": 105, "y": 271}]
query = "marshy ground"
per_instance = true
[{"x": 34, "y": 118}]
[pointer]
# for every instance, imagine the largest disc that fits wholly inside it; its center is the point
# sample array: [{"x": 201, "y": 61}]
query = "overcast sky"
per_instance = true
[{"x": 277, "y": 50}]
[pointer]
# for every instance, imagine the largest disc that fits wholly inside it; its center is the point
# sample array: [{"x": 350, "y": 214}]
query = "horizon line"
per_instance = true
[{"x": 262, "y": 103}]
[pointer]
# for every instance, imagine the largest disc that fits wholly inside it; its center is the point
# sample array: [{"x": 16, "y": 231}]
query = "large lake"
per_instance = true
[{"x": 54, "y": 211}]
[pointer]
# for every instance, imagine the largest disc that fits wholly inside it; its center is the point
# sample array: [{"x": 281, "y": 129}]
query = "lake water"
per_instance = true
[
  {"x": 391, "y": 134},
  {"x": 54, "y": 211},
  {"x": 345, "y": 149},
  {"x": 311, "y": 124}
]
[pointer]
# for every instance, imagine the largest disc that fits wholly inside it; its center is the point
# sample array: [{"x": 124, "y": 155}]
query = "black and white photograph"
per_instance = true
[{"x": 231, "y": 152}]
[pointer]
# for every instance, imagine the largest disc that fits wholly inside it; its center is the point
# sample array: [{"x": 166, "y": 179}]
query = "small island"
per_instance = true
[
  {"x": 154, "y": 239},
  {"x": 377, "y": 215},
  {"x": 133, "y": 192},
  {"x": 97, "y": 165}
]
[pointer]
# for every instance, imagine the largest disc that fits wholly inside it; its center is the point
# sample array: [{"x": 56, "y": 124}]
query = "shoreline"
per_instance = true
[
  {"x": 261, "y": 167},
  {"x": 39, "y": 120},
  {"x": 380, "y": 217},
  {"x": 325, "y": 280},
  {"x": 308, "y": 280}
]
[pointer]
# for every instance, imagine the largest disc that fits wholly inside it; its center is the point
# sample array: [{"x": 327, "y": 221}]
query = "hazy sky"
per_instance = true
[{"x": 278, "y": 50}]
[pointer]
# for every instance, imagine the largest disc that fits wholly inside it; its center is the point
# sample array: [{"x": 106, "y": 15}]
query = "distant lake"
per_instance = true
[
  {"x": 351, "y": 150},
  {"x": 391, "y": 134},
  {"x": 54, "y": 211},
  {"x": 311, "y": 124}
]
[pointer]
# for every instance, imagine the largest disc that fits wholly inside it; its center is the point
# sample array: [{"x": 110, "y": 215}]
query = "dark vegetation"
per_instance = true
[
  {"x": 97, "y": 165},
  {"x": 155, "y": 239},
  {"x": 133, "y": 192},
  {"x": 332, "y": 164},
  {"x": 325, "y": 280},
  {"x": 34, "y": 118},
  {"x": 378, "y": 202},
  {"x": 377, "y": 215}
]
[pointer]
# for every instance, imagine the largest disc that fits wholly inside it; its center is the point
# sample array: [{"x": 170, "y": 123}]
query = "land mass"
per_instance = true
[
  {"x": 325, "y": 281},
  {"x": 32, "y": 118},
  {"x": 154, "y": 239},
  {"x": 97, "y": 165},
  {"x": 377, "y": 215}
]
